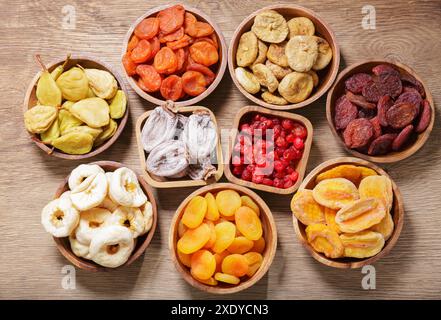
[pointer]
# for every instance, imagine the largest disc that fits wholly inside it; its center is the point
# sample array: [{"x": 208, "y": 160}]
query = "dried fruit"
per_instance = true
[
  {"x": 325, "y": 240},
  {"x": 360, "y": 101},
  {"x": 73, "y": 84},
  {"x": 385, "y": 227},
  {"x": 383, "y": 69},
  {"x": 204, "y": 52},
  {"x": 108, "y": 132},
  {"x": 302, "y": 52},
  {"x": 248, "y": 223},
  {"x": 276, "y": 54},
  {"x": 247, "y": 49},
  {"x": 212, "y": 210},
  {"x": 273, "y": 99},
  {"x": 185, "y": 259},
  {"x": 60, "y": 68},
  {"x": 118, "y": 105},
  {"x": 425, "y": 117},
  {"x": 382, "y": 144},
  {"x": 248, "y": 202},
  {"x": 358, "y": 133},
  {"x": 94, "y": 132},
  {"x": 270, "y": 26},
  {"x": 324, "y": 55},
  {"x": 199, "y": 29},
  {"x": 208, "y": 74},
  {"x": 306, "y": 209},
  {"x": 159, "y": 127},
  {"x": 347, "y": 171},
  {"x": 168, "y": 159},
  {"x": 357, "y": 82},
  {"x": 261, "y": 55},
  {"x": 226, "y": 278},
  {"x": 171, "y": 19},
  {"x": 372, "y": 91},
  {"x": 410, "y": 96},
  {"x": 228, "y": 201},
  {"x": 300, "y": 26},
  {"x": 102, "y": 83},
  {"x": 225, "y": 235},
  {"x": 59, "y": 217},
  {"x": 402, "y": 138},
  {"x": 194, "y": 239},
  {"x": 74, "y": 143},
  {"x": 51, "y": 134},
  {"x": 296, "y": 87},
  {"x": 193, "y": 83},
  {"x": 240, "y": 245},
  {"x": 379, "y": 187},
  {"x": 247, "y": 80},
  {"x": 254, "y": 260},
  {"x": 335, "y": 193},
  {"x": 390, "y": 84},
  {"x": 165, "y": 61},
  {"x": 67, "y": 120},
  {"x": 127, "y": 217},
  {"x": 47, "y": 91},
  {"x": 185, "y": 41},
  {"x": 171, "y": 88},
  {"x": 194, "y": 212},
  {"x": 212, "y": 240},
  {"x": 330, "y": 220},
  {"x": 362, "y": 245},
  {"x": 235, "y": 265},
  {"x": 38, "y": 119},
  {"x": 315, "y": 77},
  {"x": 203, "y": 265},
  {"x": 414, "y": 83},
  {"x": 345, "y": 112},
  {"x": 265, "y": 77},
  {"x": 176, "y": 35},
  {"x": 376, "y": 126},
  {"x": 129, "y": 64},
  {"x": 360, "y": 215},
  {"x": 278, "y": 71},
  {"x": 92, "y": 111},
  {"x": 259, "y": 245},
  {"x": 383, "y": 106},
  {"x": 147, "y": 28}
]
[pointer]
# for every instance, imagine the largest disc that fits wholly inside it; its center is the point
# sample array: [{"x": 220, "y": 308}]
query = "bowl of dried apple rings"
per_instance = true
[
  {"x": 348, "y": 213},
  {"x": 174, "y": 53},
  {"x": 380, "y": 110},
  {"x": 222, "y": 238},
  {"x": 283, "y": 57},
  {"x": 75, "y": 108}
]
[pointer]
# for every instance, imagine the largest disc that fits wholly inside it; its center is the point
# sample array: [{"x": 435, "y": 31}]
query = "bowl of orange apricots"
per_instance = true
[{"x": 222, "y": 238}]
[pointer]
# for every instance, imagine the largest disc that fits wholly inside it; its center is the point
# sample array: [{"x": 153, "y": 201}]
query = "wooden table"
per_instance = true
[{"x": 31, "y": 266}]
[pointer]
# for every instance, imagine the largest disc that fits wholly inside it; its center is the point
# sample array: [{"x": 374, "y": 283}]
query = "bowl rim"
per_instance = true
[
  {"x": 390, "y": 243},
  {"x": 89, "y": 265},
  {"x": 267, "y": 258},
  {"x": 334, "y": 64},
  {"x": 104, "y": 146},
  {"x": 222, "y": 56},
  {"x": 394, "y": 156},
  {"x": 303, "y": 162}
]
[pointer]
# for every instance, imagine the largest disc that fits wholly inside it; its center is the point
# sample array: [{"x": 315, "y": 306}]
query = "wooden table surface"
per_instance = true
[{"x": 30, "y": 265}]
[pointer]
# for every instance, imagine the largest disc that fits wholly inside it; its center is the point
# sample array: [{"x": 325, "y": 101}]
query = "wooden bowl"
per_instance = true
[
  {"x": 86, "y": 62},
  {"x": 160, "y": 182},
  {"x": 397, "y": 212},
  {"x": 142, "y": 242},
  {"x": 339, "y": 89},
  {"x": 220, "y": 66},
  {"x": 327, "y": 76},
  {"x": 301, "y": 165},
  {"x": 269, "y": 234}
]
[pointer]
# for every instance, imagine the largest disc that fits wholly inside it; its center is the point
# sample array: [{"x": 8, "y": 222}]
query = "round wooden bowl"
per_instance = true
[
  {"x": 269, "y": 234},
  {"x": 86, "y": 62},
  {"x": 142, "y": 242},
  {"x": 326, "y": 76},
  {"x": 397, "y": 212},
  {"x": 339, "y": 89},
  {"x": 301, "y": 165},
  {"x": 221, "y": 64}
]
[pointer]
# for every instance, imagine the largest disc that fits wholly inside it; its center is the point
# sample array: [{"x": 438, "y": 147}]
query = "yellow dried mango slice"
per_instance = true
[
  {"x": 347, "y": 171},
  {"x": 306, "y": 209},
  {"x": 360, "y": 215},
  {"x": 379, "y": 187},
  {"x": 363, "y": 244},
  {"x": 325, "y": 240},
  {"x": 335, "y": 193},
  {"x": 385, "y": 227},
  {"x": 330, "y": 220}
]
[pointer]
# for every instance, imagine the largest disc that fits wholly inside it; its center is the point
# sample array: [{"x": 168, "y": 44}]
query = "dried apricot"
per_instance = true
[
  {"x": 147, "y": 28},
  {"x": 211, "y": 282},
  {"x": 203, "y": 265},
  {"x": 248, "y": 202},
  {"x": 379, "y": 187},
  {"x": 358, "y": 133},
  {"x": 306, "y": 209},
  {"x": 227, "y": 278},
  {"x": 360, "y": 215},
  {"x": 150, "y": 77},
  {"x": 345, "y": 112},
  {"x": 199, "y": 29},
  {"x": 325, "y": 240},
  {"x": 212, "y": 240},
  {"x": 134, "y": 40},
  {"x": 193, "y": 83},
  {"x": 165, "y": 61},
  {"x": 176, "y": 35},
  {"x": 186, "y": 40},
  {"x": 171, "y": 19},
  {"x": 204, "y": 53},
  {"x": 235, "y": 264},
  {"x": 194, "y": 212},
  {"x": 208, "y": 74},
  {"x": 181, "y": 229},
  {"x": 240, "y": 245},
  {"x": 155, "y": 46},
  {"x": 330, "y": 220},
  {"x": 171, "y": 87},
  {"x": 363, "y": 244},
  {"x": 259, "y": 245},
  {"x": 424, "y": 118},
  {"x": 225, "y": 234},
  {"x": 128, "y": 64},
  {"x": 228, "y": 201},
  {"x": 254, "y": 260},
  {"x": 219, "y": 257},
  {"x": 248, "y": 223},
  {"x": 189, "y": 19},
  {"x": 347, "y": 171},
  {"x": 335, "y": 193},
  {"x": 142, "y": 52},
  {"x": 181, "y": 55},
  {"x": 194, "y": 239},
  {"x": 185, "y": 259},
  {"x": 212, "y": 210}
]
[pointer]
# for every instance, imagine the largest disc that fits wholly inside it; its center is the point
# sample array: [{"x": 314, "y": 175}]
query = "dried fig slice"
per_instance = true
[
  {"x": 265, "y": 77},
  {"x": 277, "y": 70},
  {"x": 247, "y": 80},
  {"x": 270, "y": 26},
  {"x": 296, "y": 87},
  {"x": 247, "y": 49},
  {"x": 300, "y": 26},
  {"x": 276, "y": 54},
  {"x": 324, "y": 56},
  {"x": 302, "y": 52}
]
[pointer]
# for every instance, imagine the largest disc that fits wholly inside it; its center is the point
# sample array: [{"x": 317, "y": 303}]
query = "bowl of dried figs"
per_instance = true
[
  {"x": 348, "y": 213},
  {"x": 179, "y": 146},
  {"x": 283, "y": 57},
  {"x": 380, "y": 110},
  {"x": 174, "y": 52}
]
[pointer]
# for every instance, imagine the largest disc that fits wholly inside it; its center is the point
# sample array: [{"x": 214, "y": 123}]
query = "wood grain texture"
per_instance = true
[{"x": 31, "y": 265}]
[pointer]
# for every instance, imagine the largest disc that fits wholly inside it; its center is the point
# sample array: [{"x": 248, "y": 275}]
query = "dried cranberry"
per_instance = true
[
  {"x": 246, "y": 175},
  {"x": 287, "y": 124},
  {"x": 267, "y": 181},
  {"x": 298, "y": 143}
]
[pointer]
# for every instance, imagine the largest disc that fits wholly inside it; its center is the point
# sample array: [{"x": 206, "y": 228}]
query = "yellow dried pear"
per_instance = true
[
  {"x": 90, "y": 93},
  {"x": 247, "y": 80},
  {"x": 73, "y": 84},
  {"x": 300, "y": 26},
  {"x": 296, "y": 87},
  {"x": 335, "y": 193},
  {"x": 363, "y": 244},
  {"x": 108, "y": 132},
  {"x": 330, "y": 219},
  {"x": 324, "y": 239},
  {"x": 276, "y": 54},
  {"x": 302, "y": 52},
  {"x": 67, "y": 104},
  {"x": 265, "y": 77},
  {"x": 38, "y": 119},
  {"x": 102, "y": 83},
  {"x": 247, "y": 49},
  {"x": 74, "y": 143},
  {"x": 94, "y": 132},
  {"x": 92, "y": 111},
  {"x": 385, "y": 227},
  {"x": 360, "y": 215},
  {"x": 306, "y": 209},
  {"x": 67, "y": 120},
  {"x": 51, "y": 134},
  {"x": 347, "y": 171},
  {"x": 47, "y": 92},
  {"x": 324, "y": 55},
  {"x": 261, "y": 55},
  {"x": 118, "y": 105},
  {"x": 379, "y": 187},
  {"x": 273, "y": 99},
  {"x": 277, "y": 70},
  {"x": 59, "y": 69},
  {"x": 270, "y": 26}
]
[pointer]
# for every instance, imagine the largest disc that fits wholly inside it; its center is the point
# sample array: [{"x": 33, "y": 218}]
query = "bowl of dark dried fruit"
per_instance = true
[{"x": 380, "y": 110}]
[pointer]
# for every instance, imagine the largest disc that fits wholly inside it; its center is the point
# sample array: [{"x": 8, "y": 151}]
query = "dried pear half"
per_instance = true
[
  {"x": 276, "y": 54},
  {"x": 261, "y": 56},
  {"x": 67, "y": 120},
  {"x": 302, "y": 52},
  {"x": 108, "y": 132},
  {"x": 324, "y": 54},
  {"x": 247, "y": 49},
  {"x": 90, "y": 93},
  {"x": 51, "y": 134},
  {"x": 74, "y": 143},
  {"x": 67, "y": 104},
  {"x": 47, "y": 91},
  {"x": 265, "y": 77},
  {"x": 102, "y": 83},
  {"x": 118, "y": 105},
  {"x": 73, "y": 84},
  {"x": 300, "y": 26},
  {"x": 296, "y": 87},
  {"x": 60, "y": 69},
  {"x": 270, "y": 26},
  {"x": 273, "y": 99},
  {"x": 38, "y": 119},
  {"x": 92, "y": 111},
  {"x": 277, "y": 70},
  {"x": 247, "y": 80},
  {"x": 94, "y": 132}
]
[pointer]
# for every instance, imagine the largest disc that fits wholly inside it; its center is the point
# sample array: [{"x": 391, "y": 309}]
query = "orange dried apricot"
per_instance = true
[
  {"x": 171, "y": 19},
  {"x": 203, "y": 265},
  {"x": 194, "y": 239},
  {"x": 147, "y": 28},
  {"x": 194, "y": 83},
  {"x": 199, "y": 29},
  {"x": 248, "y": 202},
  {"x": 212, "y": 210},
  {"x": 194, "y": 212},
  {"x": 228, "y": 201},
  {"x": 211, "y": 282},
  {"x": 235, "y": 264},
  {"x": 165, "y": 61},
  {"x": 189, "y": 19},
  {"x": 181, "y": 55},
  {"x": 183, "y": 42},
  {"x": 219, "y": 257},
  {"x": 226, "y": 278},
  {"x": 151, "y": 78},
  {"x": 204, "y": 53},
  {"x": 240, "y": 245},
  {"x": 254, "y": 260},
  {"x": 259, "y": 245},
  {"x": 134, "y": 40},
  {"x": 129, "y": 65},
  {"x": 360, "y": 215},
  {"x": 324, "y": 239},
  {"x": 155, "y": 46},
  {"x": 142, "y": 52},
  {"x": 184, "y": 258},
  {"x": 208, "y": 74},
  {"x": 212, "y": 240},
  {"x": 181, "y": 229},
  {"x": 171, "y": 87},
  {"x": 176, "y": 35},
  {"x": 225, "y": 234},
  {"x": 335, "y": 193},
  {"x": 306, "y": 209},
  {"x": 248, "y": 223}
]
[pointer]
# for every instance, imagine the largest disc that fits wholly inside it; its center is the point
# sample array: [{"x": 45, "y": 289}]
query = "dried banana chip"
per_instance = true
[
  {"x": 302, "y": 52},
  {"x": 300, "y": 26},
  {"x": 74, "y": 143},
  {"x": 315, "y": 78},
  {"x": 38, "y": 119},
  {"x": 276, "y": 54},
  {"x": 261, "y": 56},
  {"x": 102, "y": 83},
  {"x": 296, "y": 87},
  {"x": 324, "y": 54},
  {"x": 92, "y": 111},
  {"x": 265, "y": 77},
  {"x": 108, "y": 132},
  {"x": 273, "y": 99},
  {"x": 270, "y": 26},
  {"x": 247, "y": 49},
  {"x": 277, "y": 70},
  {"x": 247, "y": 80},
  {"x": 73, "y": 84},
  {"x": 118, "y": 105},
  {"x": 67, "y": 120}
]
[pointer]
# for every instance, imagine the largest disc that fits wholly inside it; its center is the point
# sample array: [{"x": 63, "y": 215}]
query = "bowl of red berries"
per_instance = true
[{"x": 268, "y": 150}]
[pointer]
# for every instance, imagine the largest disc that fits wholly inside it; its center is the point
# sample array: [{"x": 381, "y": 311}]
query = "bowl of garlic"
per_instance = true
[
  {"x": 75, "y": 108},
  {"x": 103, "y": 216}
]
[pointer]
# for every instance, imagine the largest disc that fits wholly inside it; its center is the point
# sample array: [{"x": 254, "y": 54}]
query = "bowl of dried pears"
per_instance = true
[
  {"x": 348, "y": 213},
  {"x": 75, "y": 108}
]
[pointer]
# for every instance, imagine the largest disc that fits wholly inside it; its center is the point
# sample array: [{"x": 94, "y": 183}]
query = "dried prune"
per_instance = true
[
  {"x": 402, "y": 138},
  {"x": 382, "y": 145},
  {"x": 358, "y": 133},
  {"x": 357, "y": 82},
  {"x": 377, "y": 127},
  {"x": 401, "y": 114},
  {"x": 360, "y": 101},
  {"x": 383, "y": 106},
  {"x": 372, "y": 91},
  {"x": 425, "y": 117},
  {"x": 345, "y": 112},
  {"x": 390, "y": 83}
]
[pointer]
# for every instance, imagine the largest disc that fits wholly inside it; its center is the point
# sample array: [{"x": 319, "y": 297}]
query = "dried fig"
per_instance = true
[{"x": 270, "y": 26}]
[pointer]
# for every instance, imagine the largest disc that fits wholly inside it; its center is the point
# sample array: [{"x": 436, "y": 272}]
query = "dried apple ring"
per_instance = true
[
  {"x": 306, "y": 209},
  {"x": 204, "y": 53},
  {"x": 203, "y": 265},
  {"x": 247, "y": 50},
  {"x": 385, "y": 227},
  {"x": 325, "y": 240},
  {"x": 194, "y": 212},
  {"x": 379, "y": 187},
  {"x": 335, "y": 193},
  {"x": 296, "y": 87},
  {"x": 360, "y": 215},
  {"x": 302, "y": 52},
  {"x": 265, "y": 77},
  {"x": 165, "y": 61},
  {"x": 261, "y": 55},
  {"x": 193, "y": 83},
  {"x": 228, "y": 201},
  {"x": 225, "y": 234},
  {"x": 276, "y": 54},
  {"x": 235, "y": 265},
  {"x": 270, "y": 26},
  {"x": 363, "y": 244},
  {"x": 324, "y": 55},
  {"x": 194, "y": 239},
  {"x": 248, "y": 223},
  {"x": 247, "y": 80},
  {"x": 300, "y": 26}
]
